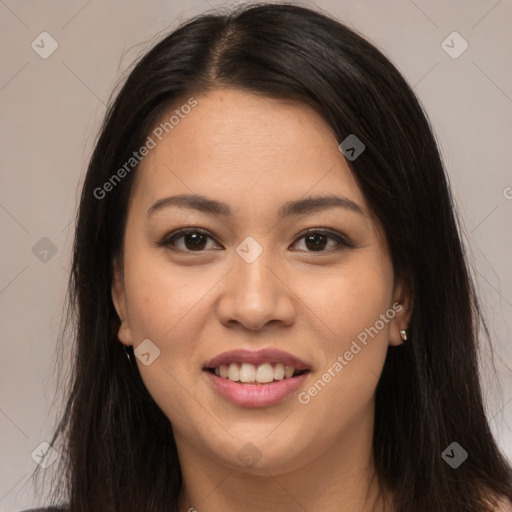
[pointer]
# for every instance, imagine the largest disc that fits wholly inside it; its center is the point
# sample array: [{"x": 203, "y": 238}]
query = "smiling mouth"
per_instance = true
[{"x": 247, "y": 373}]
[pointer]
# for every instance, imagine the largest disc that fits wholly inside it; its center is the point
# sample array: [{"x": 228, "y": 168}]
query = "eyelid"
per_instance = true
[
  {"x": 342, "y": 239},
  {"x": 343, "y": 242},
  {"x": 174, "y": 235}
]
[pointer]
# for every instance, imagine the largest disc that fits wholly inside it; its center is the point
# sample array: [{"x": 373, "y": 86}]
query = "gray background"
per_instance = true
[{"x": 50, "y": 114}]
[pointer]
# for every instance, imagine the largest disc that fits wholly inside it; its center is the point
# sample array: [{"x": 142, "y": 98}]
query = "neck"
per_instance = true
[{"x": 338, "y": 478}]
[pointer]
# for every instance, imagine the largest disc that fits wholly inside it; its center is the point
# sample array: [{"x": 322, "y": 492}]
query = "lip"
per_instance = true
[
  {"x": 257, "y": 357},
  {"x": 256, "y": 395}
]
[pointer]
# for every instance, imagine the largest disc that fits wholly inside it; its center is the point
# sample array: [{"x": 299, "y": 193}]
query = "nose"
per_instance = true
[{"x": 255, "y": 294}]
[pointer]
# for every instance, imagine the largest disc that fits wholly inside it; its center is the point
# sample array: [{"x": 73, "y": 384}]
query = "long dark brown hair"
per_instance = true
[{"x": 117, "y": 447}]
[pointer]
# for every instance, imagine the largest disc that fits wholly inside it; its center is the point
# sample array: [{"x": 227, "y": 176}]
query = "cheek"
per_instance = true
[
  {"x": 164, "y": 305},
  {"x": 170, "y": 306},
  {"x": 352, "y": 298},
  {"x": 160, "y": 298},
  {"x": 356, "y": 306}
]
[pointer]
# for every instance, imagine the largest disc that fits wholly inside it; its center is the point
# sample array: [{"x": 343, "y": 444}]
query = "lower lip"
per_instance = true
[{"x": 256, "y": 395}]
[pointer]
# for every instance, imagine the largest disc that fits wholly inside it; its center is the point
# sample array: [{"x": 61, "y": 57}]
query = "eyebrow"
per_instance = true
[{"x": 291, "y": 208}]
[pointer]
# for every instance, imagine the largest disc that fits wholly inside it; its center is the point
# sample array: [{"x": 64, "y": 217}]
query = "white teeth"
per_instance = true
[
  {"x": 279, "y": 371},
  {"x": 233, "y": 372},
  {"x": 247, "y": 372},
  {"x": 262, "y": 374}
]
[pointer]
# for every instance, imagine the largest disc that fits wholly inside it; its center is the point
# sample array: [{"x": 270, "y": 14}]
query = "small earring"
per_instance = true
[
  {"x": 127, "y": 353},
  {"x": 403, "y": 334}
]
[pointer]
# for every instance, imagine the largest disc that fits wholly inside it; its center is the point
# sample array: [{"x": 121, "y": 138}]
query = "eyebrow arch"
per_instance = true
[{"x": 288, "y": 209}]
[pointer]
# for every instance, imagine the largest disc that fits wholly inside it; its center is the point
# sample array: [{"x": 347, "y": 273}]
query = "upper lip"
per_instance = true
[{"x": 257, "y": 357}]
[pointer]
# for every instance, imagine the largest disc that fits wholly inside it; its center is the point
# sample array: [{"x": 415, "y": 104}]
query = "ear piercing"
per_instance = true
[
  {"x": 403, "y": 334},
  {"x": 126, "y": 351}
]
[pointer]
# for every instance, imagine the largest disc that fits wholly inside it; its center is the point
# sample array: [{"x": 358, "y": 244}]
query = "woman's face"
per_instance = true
[{"x": 251, "y": 280}]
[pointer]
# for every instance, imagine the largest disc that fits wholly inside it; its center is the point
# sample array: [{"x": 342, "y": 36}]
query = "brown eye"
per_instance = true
[
  {"x": 318, "y": 241},
  {"x": 194, "y": 240}
]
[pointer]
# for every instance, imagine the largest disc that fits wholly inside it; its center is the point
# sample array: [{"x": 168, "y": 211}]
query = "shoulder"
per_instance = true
[
  {"x": 503, "y": 505},
  {"x": 49, "y": 509}
]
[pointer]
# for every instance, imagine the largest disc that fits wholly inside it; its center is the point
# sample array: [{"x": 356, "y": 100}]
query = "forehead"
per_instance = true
[{"x": 247, "y": 150}]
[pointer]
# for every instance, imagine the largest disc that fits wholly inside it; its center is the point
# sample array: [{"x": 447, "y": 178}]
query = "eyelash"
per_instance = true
[{"x": 168, "y": 240}]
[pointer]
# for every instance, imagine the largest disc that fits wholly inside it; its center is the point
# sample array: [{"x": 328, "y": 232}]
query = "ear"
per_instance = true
[
  {"x": 119, "y": 300},
  {"x": 403, "y": 306}
]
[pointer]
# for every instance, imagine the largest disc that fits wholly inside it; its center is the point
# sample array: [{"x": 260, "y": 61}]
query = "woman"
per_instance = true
[{"x": 273, "y": 306}]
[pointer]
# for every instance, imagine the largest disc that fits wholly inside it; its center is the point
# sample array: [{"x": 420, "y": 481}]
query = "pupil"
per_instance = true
[
  {"x": 316, "y": 244},
  {"x": 197, "y": 242}
]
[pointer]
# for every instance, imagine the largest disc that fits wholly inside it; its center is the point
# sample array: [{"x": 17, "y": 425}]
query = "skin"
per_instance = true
[{"x": 254, "y": 154}]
